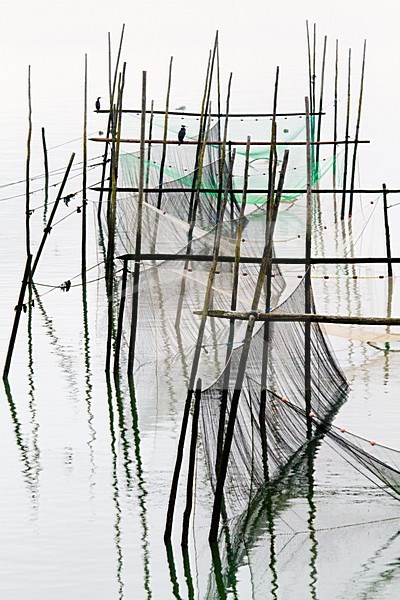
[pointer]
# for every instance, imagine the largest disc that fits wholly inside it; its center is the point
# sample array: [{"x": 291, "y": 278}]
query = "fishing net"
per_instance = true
[{"x": 286, "y": 379}]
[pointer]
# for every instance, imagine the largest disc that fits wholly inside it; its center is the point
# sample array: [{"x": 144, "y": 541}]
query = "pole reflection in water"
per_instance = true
[
  {"x": 88, "y": 389},
  {"x": 33, "y": 413},
  {"x": 142, "y": 492},
  {"x": 116, "y": 494},
  {"x": 311, "y": 448},
  {"x": 27, "y": 471},
  {"x": 172, "y": 571}
]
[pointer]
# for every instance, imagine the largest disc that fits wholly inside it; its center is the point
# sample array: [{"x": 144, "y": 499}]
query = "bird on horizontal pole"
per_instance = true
[
  {"x": 181, "y": 134},
  {"x": 97, "y": 105}
]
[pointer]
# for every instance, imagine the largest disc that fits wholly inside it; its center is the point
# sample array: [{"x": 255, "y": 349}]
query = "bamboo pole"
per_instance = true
[
  {"x": 335, "y": 116},
  {"x": 118, "y": 339},
  {"x": 254, "y": 190},
  {"x": 164, "y": 148},
  {"x": 112, "y": 221},
  {"x": 84, "y": 175},
  {"x": 265, "y": 355},
  {"x": 313, "y": 75},
  {"x": 149, "y": 148},
  {"x": 233, "y": 142},
  {"x": 195, "y": 363},
  {"x": 181, "y": 113},
  {"x": 235, "y": 283},
  {"x": 346, "y": 146},
  {"x": 18, "y": 309},
  {"x": 223, "y": 147},
  {"x": 46, "y": 177},
  {"x": 47, "y": 229},
  {"x": 109, "y": 123},
  {"x": 302, "y": 317},
  {"x": 28, "y": 162},
  {"x": 192, "y": 460},
  {"x": 197, "y": 177},
  {"x": 353, "y": 166},
  {"x": 309, "y": 62},
  {"x": 387, "y": 232},
  {"x": 348, "y": 260},
  {"x": 219, "y": 490},
  {"x": 138, "y": 244},
  {"x": 308, "y": 289},
  {"x": 321, "y": 98}
]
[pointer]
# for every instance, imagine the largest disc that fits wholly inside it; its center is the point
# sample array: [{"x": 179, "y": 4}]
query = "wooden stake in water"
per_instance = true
[
  {"x": 346, "y": 146},
  {"x": 149, "y": 148},
  {"x": 120, "y": 318},
  {"x": 219, "y": 489},
  {"x": 165, "y": 134},
  {"x": 84, "y": 175},
  {"x": 307, "y": 280},
  {"x": 195, "y": 363},
  {"x": 18, "y": 309},
  {"x": 138, "y": 244},
  {"x": 353, "y": 166},
  {"x": 46, "y": 177},
  {"x": 27, "y": 173},
  {"x": 387, "y": 231},
  {"x": 192, "y": 460},
  {"x": 109, "y": 123},
  {"x": 335, "y": 118}
]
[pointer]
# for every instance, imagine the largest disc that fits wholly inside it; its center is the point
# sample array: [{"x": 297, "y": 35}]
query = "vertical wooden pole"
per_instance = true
[
  {"x": 165, "y": 135},
  {"x": 46, "y": 177},
  {"x": 138, "y": 244},
  {"x": 310, "y": 78},
  {"x": 149, "y": 147},
  {"x": 267, "y": 333},
  {"x": 222, "y": 157},
  {"x": 235, "y": 283},
  {"x": 195, "y": 363},
  {"x": 321, "y": 98},
  {"x": 192, "y": 460},
  {"x": 346, "y": 146},
  {"x": 84, "y": 175},
  {"x": 387, "y": 232},
  {"x": 109, "y": 122},
  {"x": 335, "y": 118},
  {"x": 308, "y": 290},
  {"x": 355, "y": 148},
  {"x": 112, "y": 218},
  {"x": 219, "y": 489},
  {"x": 18, "y": 309},
  {"x": 28, "y": 162},
  {"x": 118, "y": 340}
]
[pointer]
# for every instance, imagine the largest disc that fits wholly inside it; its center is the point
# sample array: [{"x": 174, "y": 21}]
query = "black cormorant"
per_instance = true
[
  {"x": 98, "y": 104},
  {"x": 181, "y": 134}
]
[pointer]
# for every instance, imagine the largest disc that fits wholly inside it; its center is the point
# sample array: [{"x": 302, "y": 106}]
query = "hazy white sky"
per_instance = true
[{"x": 255, "y": 36}]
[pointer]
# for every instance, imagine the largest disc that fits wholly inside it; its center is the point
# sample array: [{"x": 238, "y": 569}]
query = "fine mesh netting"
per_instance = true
[{"x": 286, "y": 379}]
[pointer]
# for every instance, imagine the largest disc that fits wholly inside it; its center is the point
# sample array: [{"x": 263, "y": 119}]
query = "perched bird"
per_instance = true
[
  {"x": 181, "y": 134},
  {"x": 98, "y": 104},
  {"x": 182, "y": 107}
]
